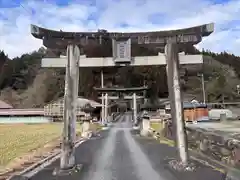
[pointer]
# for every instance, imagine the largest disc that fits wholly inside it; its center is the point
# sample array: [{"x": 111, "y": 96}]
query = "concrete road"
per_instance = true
[{"x": 120, "y": 155}]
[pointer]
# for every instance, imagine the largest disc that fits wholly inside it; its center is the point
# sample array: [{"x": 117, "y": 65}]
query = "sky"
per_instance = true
[{"x": 118, "y": 15}]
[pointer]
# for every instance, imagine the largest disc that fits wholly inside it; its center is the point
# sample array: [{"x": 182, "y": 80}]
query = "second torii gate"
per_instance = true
[
  {"x": 121, "y": 46},
  {"x": 120, "y": 90}
]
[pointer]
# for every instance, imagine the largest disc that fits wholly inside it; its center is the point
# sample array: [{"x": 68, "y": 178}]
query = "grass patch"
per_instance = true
[
  {"x": 18, "y": 139},
  {"x": 95, "y": 127},
  {"x": 157, "y": 126}
]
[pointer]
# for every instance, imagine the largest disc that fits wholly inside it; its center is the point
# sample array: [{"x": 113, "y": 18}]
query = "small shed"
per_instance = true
[{"x": 193, "y": 111}]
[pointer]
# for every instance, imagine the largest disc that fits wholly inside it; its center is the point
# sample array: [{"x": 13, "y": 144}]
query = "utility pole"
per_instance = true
[
  {"x": 144, "y": 92},
  {"x": 103, "y": 107},
  {"x": 134, "y": 108},
  {"x": 172, "y": 58},
  {"x": 106, "y": 108},
  {"x": 203, "y": 88},
  {"x": 70, "y": 103}
]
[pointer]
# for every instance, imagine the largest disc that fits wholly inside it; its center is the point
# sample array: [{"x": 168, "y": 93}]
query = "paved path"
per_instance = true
[{"x": 120, "y": 155}]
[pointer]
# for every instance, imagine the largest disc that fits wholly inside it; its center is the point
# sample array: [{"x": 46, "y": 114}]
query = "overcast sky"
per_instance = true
[{"x": 118, "y": 15}]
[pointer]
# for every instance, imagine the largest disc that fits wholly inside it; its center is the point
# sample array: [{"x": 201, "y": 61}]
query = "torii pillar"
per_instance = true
[
  {"x": 103, "y": 105},
  {"x": 106, "y": 109},
  {"x": 172, "y": 56},
  {"x": 70, "y": 104}
]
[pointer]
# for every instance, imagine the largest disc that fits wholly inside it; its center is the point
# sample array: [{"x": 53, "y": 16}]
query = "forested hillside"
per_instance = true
[{"x": 23, "y": 82}]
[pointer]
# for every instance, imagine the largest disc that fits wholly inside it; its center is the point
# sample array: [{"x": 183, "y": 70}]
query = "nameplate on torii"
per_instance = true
[{"x": 121, "y": 50}]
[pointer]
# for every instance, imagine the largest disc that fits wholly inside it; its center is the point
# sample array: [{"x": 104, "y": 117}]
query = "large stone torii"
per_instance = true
[{"x": 73, "y": 42}]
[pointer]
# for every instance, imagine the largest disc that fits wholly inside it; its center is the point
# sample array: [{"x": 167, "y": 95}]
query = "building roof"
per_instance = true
[
  {"x": 21, "y": 112},
  {"x": 81, "y": 102},
  {"x": 4, "y": 105},
  {"x": 189, "y": 105}
]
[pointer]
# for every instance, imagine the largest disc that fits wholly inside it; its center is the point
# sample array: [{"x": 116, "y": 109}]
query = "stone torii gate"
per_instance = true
[
  {"x": 120, "y": 90},
  {"x": 121, "y": 49}
]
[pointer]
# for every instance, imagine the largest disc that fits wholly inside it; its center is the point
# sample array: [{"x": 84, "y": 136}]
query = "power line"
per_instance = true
[{"x": 27, "y": 10}]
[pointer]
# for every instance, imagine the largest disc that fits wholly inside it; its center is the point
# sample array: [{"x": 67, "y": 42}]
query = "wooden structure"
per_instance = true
[
  {"x": 55, "y": 109},
  {"x": 193, "y": 112}
]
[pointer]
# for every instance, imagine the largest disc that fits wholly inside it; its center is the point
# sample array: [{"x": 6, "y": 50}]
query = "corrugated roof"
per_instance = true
[{"x": 4, "y": 105}]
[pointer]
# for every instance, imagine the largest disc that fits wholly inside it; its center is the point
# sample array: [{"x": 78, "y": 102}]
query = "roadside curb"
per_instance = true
[{"x": 50, "y": 159}]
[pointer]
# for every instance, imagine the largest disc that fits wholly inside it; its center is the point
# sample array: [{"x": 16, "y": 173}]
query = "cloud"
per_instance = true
[{"x": 118, "y": 15}]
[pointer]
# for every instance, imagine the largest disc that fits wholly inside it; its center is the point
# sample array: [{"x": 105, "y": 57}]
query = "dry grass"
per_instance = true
[
  {"x": 95, "y": 127},
  {"x": 17, "y": 140},
  {"x": 157, "y": 126}
]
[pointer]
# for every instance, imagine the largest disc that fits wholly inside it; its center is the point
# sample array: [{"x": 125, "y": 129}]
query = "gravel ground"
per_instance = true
[{"x": 120, "y": 155}]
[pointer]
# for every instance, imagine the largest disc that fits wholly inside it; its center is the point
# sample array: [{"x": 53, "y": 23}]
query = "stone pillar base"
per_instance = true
[
  {"x": 144, "y": 133},
  {"x": 145, "y": 127},
  {"x": 86, "y": 133}
]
